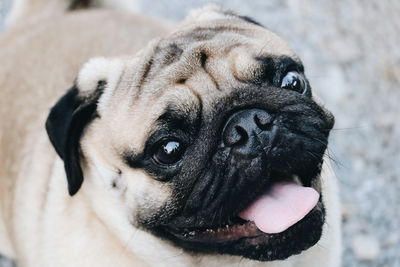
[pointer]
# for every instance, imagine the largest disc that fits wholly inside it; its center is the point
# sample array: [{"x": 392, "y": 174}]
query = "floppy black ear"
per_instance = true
[{"x": 65, "y": 125}]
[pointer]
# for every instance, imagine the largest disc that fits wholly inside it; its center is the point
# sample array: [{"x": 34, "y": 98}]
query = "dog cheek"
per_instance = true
[{"x": 144, "y": 196}]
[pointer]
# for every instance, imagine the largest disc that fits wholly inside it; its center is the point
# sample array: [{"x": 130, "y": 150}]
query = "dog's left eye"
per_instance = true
[
  {"x": 168, "y": 152},
  {"x": 294, "y": 81}
]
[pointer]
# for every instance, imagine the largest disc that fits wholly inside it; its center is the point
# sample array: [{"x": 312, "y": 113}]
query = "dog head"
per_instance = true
[{"x": 192, "y": 137}]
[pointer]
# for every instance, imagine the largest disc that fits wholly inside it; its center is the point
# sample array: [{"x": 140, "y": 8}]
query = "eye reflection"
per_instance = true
[
  {"x": 168, "y": 152},
  {"x": 170, "y": 147}
]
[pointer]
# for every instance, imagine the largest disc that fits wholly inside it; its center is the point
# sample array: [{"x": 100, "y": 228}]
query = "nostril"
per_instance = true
[
  {"x": 243, "y": 135},
  {"x": 236, "y": 136},
  {"x": 263, "y": 121}
]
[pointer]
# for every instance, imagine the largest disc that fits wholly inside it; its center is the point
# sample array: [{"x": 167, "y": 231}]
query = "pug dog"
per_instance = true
[{"x": 197, "y": 144}]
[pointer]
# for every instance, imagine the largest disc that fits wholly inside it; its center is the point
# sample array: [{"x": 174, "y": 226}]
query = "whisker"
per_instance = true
[
  {"x": 321, "y": 246},
  {"x": 175, "y": 255},
  {"x": 329, "y": 153},
  {"x": 220, "y": 215},
  {"x": 347, "y": 128},
  {"x": 325, "y": 143},
  {"x": 334, "y": 159}
]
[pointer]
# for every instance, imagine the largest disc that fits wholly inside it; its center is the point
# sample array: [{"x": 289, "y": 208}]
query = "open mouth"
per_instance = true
[
  {"x": 286, "y": 219},
  {"x": 280, "y": 207}
]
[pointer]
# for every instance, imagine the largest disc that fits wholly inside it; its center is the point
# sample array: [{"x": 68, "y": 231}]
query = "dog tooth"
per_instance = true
[{"x": 296, "y": 179}]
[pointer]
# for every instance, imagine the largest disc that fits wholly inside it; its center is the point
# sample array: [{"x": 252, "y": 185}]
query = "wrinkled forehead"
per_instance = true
[
  {"x": 226, "y": 32},
  {"x": 216, "y": 54},
  {"x": 227, "y": 47}
]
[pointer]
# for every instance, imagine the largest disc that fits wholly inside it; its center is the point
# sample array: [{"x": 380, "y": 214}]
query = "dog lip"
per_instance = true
[
  {"x": 239, "y": 231},
  {"x": 192, "y": 221},
  {"x": 225, "y": 233},
  {"x": 238, "y": 228}
]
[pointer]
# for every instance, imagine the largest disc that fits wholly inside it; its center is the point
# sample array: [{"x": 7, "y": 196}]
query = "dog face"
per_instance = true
[{"x": 191, "y": 133}]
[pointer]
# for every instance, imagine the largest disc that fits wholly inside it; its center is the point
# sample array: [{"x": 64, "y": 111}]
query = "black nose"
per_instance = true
[{"x": 248, "y": 129}]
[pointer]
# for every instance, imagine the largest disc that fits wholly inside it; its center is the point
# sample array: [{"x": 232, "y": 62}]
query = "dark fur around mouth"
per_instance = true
[
  {"x": 244, "y": 239},
  {"x": 214, "y": 182}
]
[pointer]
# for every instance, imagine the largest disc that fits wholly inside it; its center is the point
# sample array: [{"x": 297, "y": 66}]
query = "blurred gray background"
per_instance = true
[{"x": 351, "y": 52}]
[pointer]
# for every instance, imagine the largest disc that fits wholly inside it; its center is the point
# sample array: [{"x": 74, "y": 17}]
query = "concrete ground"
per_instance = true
[{"x": 350, "y": 50}]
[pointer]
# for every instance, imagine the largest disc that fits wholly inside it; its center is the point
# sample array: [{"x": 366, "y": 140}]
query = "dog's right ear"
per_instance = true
[
  {"x": 65, "y": 125},
  {"x": 68, "y": 118}
]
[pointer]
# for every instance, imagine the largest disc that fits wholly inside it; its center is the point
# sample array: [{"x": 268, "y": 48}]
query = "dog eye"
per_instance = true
[
  {"x": 294, "y": 81},
  {"x": 168, "y": 152}
]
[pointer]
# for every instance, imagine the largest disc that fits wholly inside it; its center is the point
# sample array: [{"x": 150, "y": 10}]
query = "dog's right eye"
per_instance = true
[{"x": 168, "y": 152}]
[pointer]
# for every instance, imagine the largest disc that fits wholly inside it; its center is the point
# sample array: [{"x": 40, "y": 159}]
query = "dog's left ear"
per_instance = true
[{"x": 68, "y": 118}]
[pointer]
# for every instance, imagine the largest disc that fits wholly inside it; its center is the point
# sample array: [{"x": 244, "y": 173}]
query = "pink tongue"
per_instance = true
[{"x": 281, "y": 207}]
